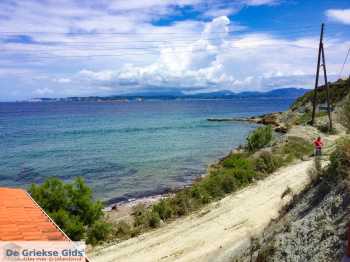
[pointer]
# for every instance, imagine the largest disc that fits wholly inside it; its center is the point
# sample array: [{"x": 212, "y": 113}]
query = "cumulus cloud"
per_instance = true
[
  {"x": 110, "y": 46},
  {"x": 339, "y": 15},
  {"x": 218, "y": 60}
]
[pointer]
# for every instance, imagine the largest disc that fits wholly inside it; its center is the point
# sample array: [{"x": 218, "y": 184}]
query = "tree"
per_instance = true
[{"x": 72, "y": 208}]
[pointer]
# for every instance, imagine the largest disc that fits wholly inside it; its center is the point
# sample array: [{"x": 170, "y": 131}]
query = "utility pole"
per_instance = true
[
  {"x": 327, "y": 90},
  {"x": 321, "y": 56}
]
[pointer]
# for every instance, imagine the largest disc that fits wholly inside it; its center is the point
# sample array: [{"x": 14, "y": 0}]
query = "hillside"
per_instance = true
[
  {"x": 168, "y": 94},
  {"x": 337, "y": 91}
]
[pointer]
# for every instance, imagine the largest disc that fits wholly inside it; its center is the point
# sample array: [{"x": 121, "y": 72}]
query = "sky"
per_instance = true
[{"x": 61, "y": 48}]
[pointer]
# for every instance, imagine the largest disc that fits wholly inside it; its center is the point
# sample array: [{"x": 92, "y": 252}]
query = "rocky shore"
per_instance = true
[{"x": 273, "y": 119}]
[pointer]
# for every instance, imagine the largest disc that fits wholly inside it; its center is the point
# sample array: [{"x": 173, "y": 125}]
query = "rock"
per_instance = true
[{"x": 281, "y": 129}]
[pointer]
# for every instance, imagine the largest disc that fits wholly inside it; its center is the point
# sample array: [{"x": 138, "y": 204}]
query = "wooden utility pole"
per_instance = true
[
  {"x": 321, "y": 56},
  {"x": 327, "y": 90}
]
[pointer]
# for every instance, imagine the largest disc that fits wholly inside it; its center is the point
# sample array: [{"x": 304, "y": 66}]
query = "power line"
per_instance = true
[
  {"x": 345, "y": 60},
  {"x": 144, "y": 52},
  {"x": 9, "y": 33},
  {"x": 168, "y": 41}
]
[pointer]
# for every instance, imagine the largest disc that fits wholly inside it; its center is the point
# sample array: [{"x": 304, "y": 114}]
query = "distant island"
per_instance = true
[{"x": 292, "y": 93}]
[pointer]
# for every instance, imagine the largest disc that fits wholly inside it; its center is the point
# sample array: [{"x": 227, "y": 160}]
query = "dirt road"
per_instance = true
[{"x": 219, "y": 230}]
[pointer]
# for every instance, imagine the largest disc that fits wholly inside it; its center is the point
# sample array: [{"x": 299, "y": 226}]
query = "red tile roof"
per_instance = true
[{"x": 21, "y": 218}]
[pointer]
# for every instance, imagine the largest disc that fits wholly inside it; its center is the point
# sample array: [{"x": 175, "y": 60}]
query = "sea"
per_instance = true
[{"x": 123, "y": 150}]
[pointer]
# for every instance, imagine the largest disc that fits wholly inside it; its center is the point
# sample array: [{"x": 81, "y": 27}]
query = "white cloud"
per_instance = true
[
  {"x": 43, "y": 91},
  {"x": 339, "y": 15},
  {"x": 218, "y": 60},
  {"x": 260, "y": 2},
  {"x": 119, "y": 48}
]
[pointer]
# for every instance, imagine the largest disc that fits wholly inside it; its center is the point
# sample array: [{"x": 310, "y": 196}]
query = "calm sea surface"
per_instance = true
[{"x": 122, "y": 150}]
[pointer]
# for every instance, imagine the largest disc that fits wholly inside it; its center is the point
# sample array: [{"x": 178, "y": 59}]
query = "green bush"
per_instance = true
[
  {"x": 295, "y": 148},
  {"x": 304, "y": 119},
  {"x": 338, "y": 91},
  {"x": 237, "y": 160},
  {"x": 154, "y": 219},
  {"x": 98, "y": 232},
  {"x": 181, "y": 202},
  {"x": 324, "y": 128},
  {"x": 267, "y": 163},
  {"x": 123, "y": 230},
  {"x": 199, "y": 194},
  {"x": 340, "y": 158},
  {"x": 345, "y": 114},
  {"x": 259, "y": 138},
  {"x": 145, "y": 217},
  {"x": 232, "y": 173},
  {"x": 71, "y": 206},
  {"x": 164, "y": 209}
]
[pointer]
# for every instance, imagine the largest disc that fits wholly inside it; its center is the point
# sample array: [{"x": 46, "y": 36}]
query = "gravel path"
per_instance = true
[{"x": 219, "y": 230}]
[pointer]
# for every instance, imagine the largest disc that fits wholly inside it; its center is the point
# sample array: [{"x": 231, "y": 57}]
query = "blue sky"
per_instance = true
[{"x": 59, "y": 48}]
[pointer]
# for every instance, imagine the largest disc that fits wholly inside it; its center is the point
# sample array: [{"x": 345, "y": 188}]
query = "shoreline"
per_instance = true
[{"x": 150, "y": 197}]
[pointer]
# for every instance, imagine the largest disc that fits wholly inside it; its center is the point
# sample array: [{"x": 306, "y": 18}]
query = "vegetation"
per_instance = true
[
  {"x": 72, "y": 208},
  {"x": 338, "y": 91},
  {"x": 345, "y": 114},
  {"x": 340, "y": 158},
  {"x": 267, "y": 162},
  {"x": 306, "y": 117},
  {"x": 259, "y": 138},
  {"x": 293, "y": 148},
  {"x": 325, "y": 128},
  {"x": 232, "y": 173}
]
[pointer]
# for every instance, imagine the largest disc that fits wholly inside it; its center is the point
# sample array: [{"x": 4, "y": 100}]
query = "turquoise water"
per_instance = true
[{"x": 122, "y": 150}]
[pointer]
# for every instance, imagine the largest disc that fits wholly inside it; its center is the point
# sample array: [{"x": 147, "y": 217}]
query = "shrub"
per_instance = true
[
  {"x": 267, "y": 163},
  {"x": 228, "y": 183},
  {"x": 212, "y": 185},
  {"x": 164, "y": 209},
  {"x": 324, "y": 128},
  {"x": 123, "y": 230},
  {"x": 303, "y": 119},
  {"x": 71, "y": 206},
  {"x": 345, "y": 114},
  {"x": 237, "y": 160},
  {"x": 71, "y": 225},
  {"x": 182, "y": 202},
  {"x": 259, "y": 138},
  {"x": 154, "y": 219},
  {"x": 295, "y": 147},
  {"x": 141, "y": 218},
  {"x": 145, "y": 217},
  {"x": 340, "y": 158},
  {"x": 98, "y": 232},
  {"x": 199, "y": 194}
]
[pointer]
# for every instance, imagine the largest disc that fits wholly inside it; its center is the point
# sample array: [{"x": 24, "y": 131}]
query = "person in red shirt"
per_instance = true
[{"x": 318, "y": 146}]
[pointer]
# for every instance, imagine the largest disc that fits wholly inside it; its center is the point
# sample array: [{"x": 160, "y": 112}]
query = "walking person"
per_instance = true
[{"x": 318, "y": 146}]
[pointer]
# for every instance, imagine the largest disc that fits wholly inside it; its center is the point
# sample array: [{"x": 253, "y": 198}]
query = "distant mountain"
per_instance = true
[
  {"x": 282, "y": 92},
  {"x": 175, "y": 94}
]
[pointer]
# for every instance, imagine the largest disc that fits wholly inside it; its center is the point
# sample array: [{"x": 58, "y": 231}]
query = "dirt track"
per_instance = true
[{"x": 219, "y": 230}]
